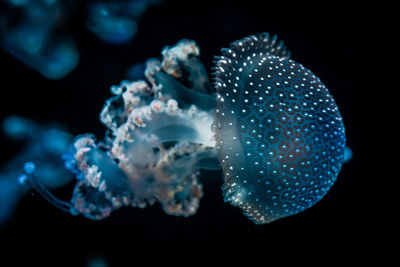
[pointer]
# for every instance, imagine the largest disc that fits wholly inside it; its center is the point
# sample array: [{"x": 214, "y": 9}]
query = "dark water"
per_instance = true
[{"x": 346, "y": 43}]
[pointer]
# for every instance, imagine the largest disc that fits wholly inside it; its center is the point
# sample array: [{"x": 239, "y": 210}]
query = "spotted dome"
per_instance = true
[{"x": 280, "y": 136}]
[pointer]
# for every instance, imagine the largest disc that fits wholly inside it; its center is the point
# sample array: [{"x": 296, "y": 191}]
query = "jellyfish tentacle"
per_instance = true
[
  {"x": 43, "y": 145},
  {"x": 184, "y": 56},
  {"x": 30, "y": 178},
  {"x": 183, "y": 95},
  {"x": 156, "y": 144},
  {"x": 198, "y": 77},
  {"x": 177, "y": 61},
  {"x": 102, "y": 186},
  {"x": 46, "y": 194}
]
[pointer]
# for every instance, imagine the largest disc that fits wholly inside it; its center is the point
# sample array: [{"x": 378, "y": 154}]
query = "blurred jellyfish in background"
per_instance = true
[
  {"x": 348, "y": 154},
  {"x": 31, "y": 30},
  {"x": 136, "y": 72},
  {"x": 43, "y": 145},
  {"x": 116, "y": 21},
  {"x": 97, "y": 261},
  {"x": 271, "y": 126}
]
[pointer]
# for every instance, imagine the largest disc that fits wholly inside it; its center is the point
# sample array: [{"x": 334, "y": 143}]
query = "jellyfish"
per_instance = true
[
  {"x": 267, "y": 122},
  {"x": 30, "y": 31},
  {"x": 44, "y": 145},
  {"x": 116, "y": 21}
]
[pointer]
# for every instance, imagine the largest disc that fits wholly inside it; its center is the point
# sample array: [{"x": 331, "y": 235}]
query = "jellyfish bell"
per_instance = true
[{"x": 281, "y": 137}]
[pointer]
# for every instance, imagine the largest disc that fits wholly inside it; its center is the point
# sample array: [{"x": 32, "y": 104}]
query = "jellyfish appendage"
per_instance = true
[
  {"x": 42, "y": 145},
  {"x": 158, "y": 140},
  {"x": 30, "y": 178}
]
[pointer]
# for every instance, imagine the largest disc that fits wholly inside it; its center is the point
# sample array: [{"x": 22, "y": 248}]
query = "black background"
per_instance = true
[{"x": 348, "y": 44}]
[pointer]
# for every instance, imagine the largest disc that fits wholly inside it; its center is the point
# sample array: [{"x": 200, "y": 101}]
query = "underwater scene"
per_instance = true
[{"x": 149, "y": 129}]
